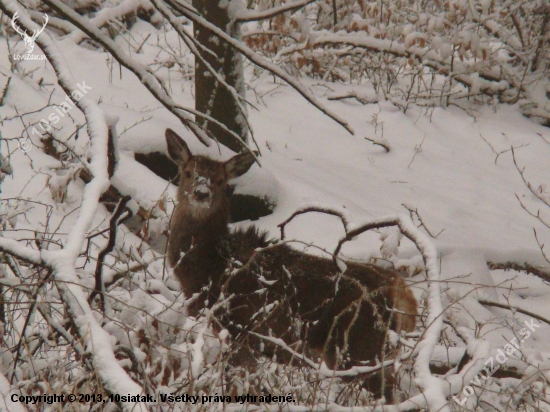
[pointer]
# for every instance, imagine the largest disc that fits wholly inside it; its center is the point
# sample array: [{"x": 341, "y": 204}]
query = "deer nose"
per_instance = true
[{"x": 202, "y": 194}]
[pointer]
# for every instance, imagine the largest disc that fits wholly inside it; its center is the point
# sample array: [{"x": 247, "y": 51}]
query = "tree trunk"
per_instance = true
[{"x": 211, "y": 97}]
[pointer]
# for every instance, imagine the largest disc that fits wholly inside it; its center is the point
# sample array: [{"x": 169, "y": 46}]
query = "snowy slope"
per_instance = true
[{"x": 442, "y": 162}]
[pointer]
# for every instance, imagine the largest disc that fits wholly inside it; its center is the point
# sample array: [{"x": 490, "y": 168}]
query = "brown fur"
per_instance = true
[{"x": 342, "y": 318}]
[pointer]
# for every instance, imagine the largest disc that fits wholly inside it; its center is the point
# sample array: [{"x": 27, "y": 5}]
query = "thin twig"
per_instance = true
[
  {"x": 417, "y": 149},
  {"x": 541, "y": 246},
  {"x": 415, "y": 212},
  {"x": 33, "y": 301},
  {"x": 503, "y": 151},
  {"x": 536, "y": 216},
  {"x": 380, "y": 142},
  {"x": 527, "y": 183},
  {"x": 544, "y": 138},
  {"x": 5, "y": 91},
  {"x": 143, "y": 43}
]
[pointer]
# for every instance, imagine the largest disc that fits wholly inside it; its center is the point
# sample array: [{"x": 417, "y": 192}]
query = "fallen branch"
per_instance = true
[
  {"x": 520, "y": 267},
  {"x": 380, "y": 142},
  {"x": 353, "y": 95}
]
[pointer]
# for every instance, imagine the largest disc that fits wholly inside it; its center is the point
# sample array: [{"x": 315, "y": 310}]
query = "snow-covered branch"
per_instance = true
[
  {"x": 430, "y": 54},
  {"x": 317, "y": 208},
  {"x": 105, "y": 15},
  {"x": 6, "y": 403},
  {"x": 433, "y": 388},
  {"x": 20, "y": 251},
  {"x": 322, "y": 368},
  {"x": 243, "y": 15},
  {"x": 192, "y": 44},
  {"x": 143, "y": 74},
  {"x": 263, "y": 63},
  {"x": 53, "y": 21},
  {"x": 485, "y": 80},
  {"x": 62, "y": 262}
]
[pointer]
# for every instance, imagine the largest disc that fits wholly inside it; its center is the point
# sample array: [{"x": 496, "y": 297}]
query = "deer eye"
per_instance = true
[{"x": 187, "y": 173}]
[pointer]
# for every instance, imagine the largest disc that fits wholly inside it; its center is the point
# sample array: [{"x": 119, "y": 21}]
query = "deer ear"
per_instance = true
[
  {"x": 177, "y": 148},
  {"x": 239, "y": 164}
]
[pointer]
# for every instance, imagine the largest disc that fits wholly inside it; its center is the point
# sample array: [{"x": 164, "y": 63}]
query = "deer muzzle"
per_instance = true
[{"x": 202, "y": 193}]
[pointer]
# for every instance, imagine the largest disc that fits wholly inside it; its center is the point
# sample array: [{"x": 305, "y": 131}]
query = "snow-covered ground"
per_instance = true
[{"x": 454, "y": 167}]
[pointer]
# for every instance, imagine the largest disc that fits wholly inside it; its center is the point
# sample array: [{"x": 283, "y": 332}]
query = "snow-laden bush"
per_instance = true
[{"x": 417, "y": 51}]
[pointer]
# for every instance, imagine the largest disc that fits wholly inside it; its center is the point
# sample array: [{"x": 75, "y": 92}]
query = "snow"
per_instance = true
[
  {"x": 453, "y": 166},
  {"x": 6, "y": 403}
]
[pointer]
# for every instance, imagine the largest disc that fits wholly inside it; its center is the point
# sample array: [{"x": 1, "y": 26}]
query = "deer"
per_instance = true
[
  {"x": 258, "y": 287},
  {"x": 29, "y": 40}
]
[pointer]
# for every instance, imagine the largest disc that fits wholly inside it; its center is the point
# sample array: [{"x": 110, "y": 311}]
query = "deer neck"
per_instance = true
[{"x": 198, "y": 233}]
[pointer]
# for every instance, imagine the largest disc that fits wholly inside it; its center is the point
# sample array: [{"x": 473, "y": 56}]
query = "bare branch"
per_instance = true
[
  {"x": 527, "y": 183},
  {"x": 536, "y": 216},
  {"x": 417, "y": 149},
  {"x": 541, "y": 246},
  {"x": 414, "y": 211}
]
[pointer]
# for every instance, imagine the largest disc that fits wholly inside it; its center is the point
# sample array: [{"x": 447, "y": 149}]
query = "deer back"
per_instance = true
[{"x": 278, "y": 291}]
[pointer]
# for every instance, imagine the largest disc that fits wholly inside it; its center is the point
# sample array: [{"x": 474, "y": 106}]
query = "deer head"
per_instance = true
[
  {"x": 203, "y": 181},
  {"x": 29, "y": 40}
]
